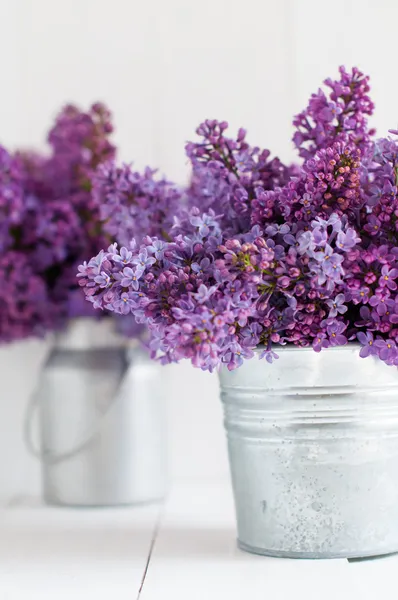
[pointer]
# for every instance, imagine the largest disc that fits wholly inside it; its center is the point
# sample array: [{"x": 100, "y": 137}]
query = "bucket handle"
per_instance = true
[{"x": 47, "y": 456}]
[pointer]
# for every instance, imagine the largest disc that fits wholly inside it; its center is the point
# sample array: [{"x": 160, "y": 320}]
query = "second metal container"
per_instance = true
[
  {"x": 313, "y": 449},
  {"x": 102, "y": 420}
]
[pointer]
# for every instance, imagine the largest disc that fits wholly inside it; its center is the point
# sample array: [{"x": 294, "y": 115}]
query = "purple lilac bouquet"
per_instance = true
[
  {"x": 49, "y": 222},
  {"x": 261, "y": 254},
  {"x": 22, "y": 290}
]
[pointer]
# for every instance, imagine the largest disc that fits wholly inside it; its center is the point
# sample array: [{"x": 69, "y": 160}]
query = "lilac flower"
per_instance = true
[
  {"x": 235, "y": 355},
  {"x": 387, "y": 277},
  {"x": 335, "y": 332},
  {"x": 203, "y": 294},
  {"x": 332, "y": 265},
  {"x": 125, "y": 305},
  {"x": 269, "y": 354},
  {"x": 306, "y": 242},
  {"x": 124, "y": 256},
  {"x": 253, "y": 234},
  {"x": 275, "y": 229},
  {"x": 200, "y": 268},
  {"x": 130, "y": 277},
  {"x": 251, "y": 335},
  {"x": 205, "y": 223},
  {"x": 367, "y": 341},
  {"x": 360, "y": 295},
  {"x": 347, "y": 240},
  {"x": 337, "y": 305},
  {"x": 379, "y": 302},
  {"x": 320, "y": 341},
  {"x": 319, "y": 236},
  {"x": 103, "y": 279},
  {"x": 373, "y": 225},
  {"x": 324, "y": 255},
  {"x": 157, "y": 248},
  {"x": 143, "y": 260},
  {"x": 386, "y": 349}
]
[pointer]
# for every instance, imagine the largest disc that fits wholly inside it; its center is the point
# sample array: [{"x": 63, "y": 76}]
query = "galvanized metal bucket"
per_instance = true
[
  {"x": 313, "y": 449},
  {"x": 102, "y": 420}
]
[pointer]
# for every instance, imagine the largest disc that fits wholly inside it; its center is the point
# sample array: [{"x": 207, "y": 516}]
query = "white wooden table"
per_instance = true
[{"x": 183, "y": 550}]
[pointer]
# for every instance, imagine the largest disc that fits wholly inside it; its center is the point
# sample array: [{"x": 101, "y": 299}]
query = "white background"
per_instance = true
[{"x": 163, "y": 66}]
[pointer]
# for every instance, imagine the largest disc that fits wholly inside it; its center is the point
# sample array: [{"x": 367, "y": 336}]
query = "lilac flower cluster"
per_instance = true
[
  {"x": 266, "y": 254},
  {"x": 134, "y": 204},
  {"x": 340, "y": 116},
  {"x": 11, "y": 197},
  {"x": 49, "y": 221},
  {"x": 231, "y": 177},
  {"x": 22, "y": 290}
]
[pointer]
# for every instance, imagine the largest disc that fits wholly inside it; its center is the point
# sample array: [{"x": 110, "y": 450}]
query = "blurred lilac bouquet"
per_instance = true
[
  {"x": 260, "y": 254},
  {"x": 52, "y": 216},
  {"x": 49, "y": 221}
]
